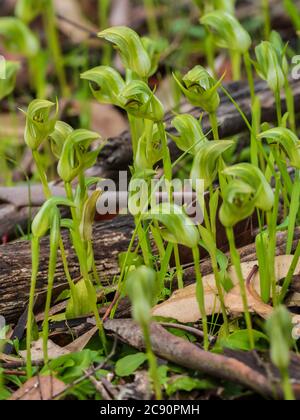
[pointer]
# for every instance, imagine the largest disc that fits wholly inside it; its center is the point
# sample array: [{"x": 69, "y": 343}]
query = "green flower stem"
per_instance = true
[
  {"x": 236, "y": 61},
  {"x": 51, "y": 276},
  {"x": 294, "y": 210},
  {"x": 290, "y": 103},
  {"x": 54, "y": 45},
  {"x": 35, "y": 252},
  {"x": 278, "y": 107},
  {"x": 144, "y": 244},
  {"x": 82, "y": 258},
  {"x": 267, "y": 18},
  {"x": 166, "y": 152},
  {"x": 179, "y": 270},
  {"x": 151, "y": 18},
  {"x": 272, "y": 223},
  {"x": 134, "y": 134},
  {"x": 220, "y": 289},
  {"x": 48, "y": 194},
  {"x": 248, "y": 66},
  {"x": 155, "y": 230},
  {"x": 287, "y": 386},
  {"x": 200, "y": 295},
  {"x": 289, "y": 277},
  {"x": 153, "y": 371},
  {"x": 214, "y": 125},
  {"x": 237, "y": 264},
  {"x": 103, "y": 7},
  {"x": 210, "y": 52},
  {"x": 165, "y": 266}
]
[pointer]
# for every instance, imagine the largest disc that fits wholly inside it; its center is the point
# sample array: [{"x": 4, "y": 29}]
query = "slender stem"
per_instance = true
[
  {"x": 290, "y": 103},
  {"x": 248, "y": 66},
  {"x": 51, "y": 275},
  {"x": 214, "y": 125},
  {"x": 54, "y": 45},
  {"x": 287, "y": 386},
  {"x": 201, "y": 296},
  {"x": 210, "y": 52},
  {"x": 152, "y": 363},
  {"x": 35, "y": 251},
  {"x": 151, "y": 18},
  {"x": 237, "y": 264},
  {"x": 267, "y": 18},
  {"x": 289, "y": 277},
  {"x": 236, "y": 60},
  {"x": 103, "y": 7},
  {"x": 220, "y": 289},
  {"x": 278, "y": 107},
  {"x": 294, "y": 209},
  {"x": 179, "y": 270}
]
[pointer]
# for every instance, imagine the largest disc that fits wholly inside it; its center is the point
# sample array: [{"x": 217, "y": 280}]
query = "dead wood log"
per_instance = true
[{"x": 181, "y": 352}]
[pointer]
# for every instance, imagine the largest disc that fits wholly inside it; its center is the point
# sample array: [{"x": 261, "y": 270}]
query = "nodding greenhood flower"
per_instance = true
[
  {"x": 142, "y": 290},
  {"x": 105, "y": 83},
  {"x": 190, "y": 132},
  {"x": 228, "y": 32},
  {"x": 75, "y": 156},
  {"x": 247, "y": 190},
  {"x": 268, "y": 65},
  {"x": 27, "y": 10},
  {"x": 44, "y": 218},
  {"x": 7, "y": 85},
  {"x": 149, "y": 150},
  {"x": 139, "y": 100},
  {"x": 40, "y": 123},
  {"x": 178, "y": 226},
  {"x": 88, "y": 216},
  {"x": 200, "y": 89},
  {"x": 279, "y": 330},
  {"x": 130, "y": 46},
  {"x": 206, "y": 161},
  {"x": 18, "y": 37},
  {"x": 288, "y": 140},
  {"x": 59, "y": 136}
]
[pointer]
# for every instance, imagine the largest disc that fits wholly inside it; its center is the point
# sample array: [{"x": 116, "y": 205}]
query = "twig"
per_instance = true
[
  {"x": 109, "y": 309},
  {"x": 194, "y": 331},
  {"x": 92, "y": 34}
]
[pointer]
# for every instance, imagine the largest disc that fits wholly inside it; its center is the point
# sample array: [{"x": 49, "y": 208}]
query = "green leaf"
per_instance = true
[
  {"x": 228, "y": 32},
  {"x": 239, "y": 340},
  {"x": 188, "y": 384},
  {"x": 130, "y": 46},
  {"x": 129, "y": 364}
]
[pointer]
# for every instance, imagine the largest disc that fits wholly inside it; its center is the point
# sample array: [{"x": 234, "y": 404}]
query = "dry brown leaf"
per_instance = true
[
  {"x": 55, "y": 351},
  {"x": 39, "y": 388},
  {"x": 183, "y": 305}
]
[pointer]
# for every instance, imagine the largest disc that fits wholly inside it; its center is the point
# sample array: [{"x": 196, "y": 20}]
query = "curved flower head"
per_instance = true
[
  {"x": 268, "y": 65},
  {"x": 130, "y": 46},
  {"x": 7, "y": 85},
  {"x": 88, "y": 216},
  {"x": 228, "y": 32},
  {"x": 105, "y": 83},
  {"x": 40, "y": 122},
  {"x": 200, "y": 89},
  {"x": 280, "y": 49},
  {"x": 44, "y": 218},
  {"x": 18, "y": 37},
  {"x": 59, "y": 136},
  {"x": 288, "y": 140},
  {"x": 206, "y": 161},
  {"x": 190, "y": 134},
  {"x": 178, "y": 227},
  {"x": 139, "y": 100},
  {"x": 75, "y": 156},
  {"x": 247, "y": 190},
  {"x": 142, "y": 289}
]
